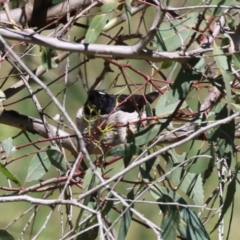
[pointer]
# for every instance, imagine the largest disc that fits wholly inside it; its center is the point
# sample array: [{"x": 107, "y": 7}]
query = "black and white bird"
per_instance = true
[
  {"x": 113, "y": 109},
  {"x": 99, "y": 102}
]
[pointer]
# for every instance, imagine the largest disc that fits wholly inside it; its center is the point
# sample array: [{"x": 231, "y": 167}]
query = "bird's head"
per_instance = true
[{"x": 99, "y": 103}]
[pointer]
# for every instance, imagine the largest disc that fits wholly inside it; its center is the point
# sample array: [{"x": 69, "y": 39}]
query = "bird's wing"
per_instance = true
[{"x": 135, "y": 102}]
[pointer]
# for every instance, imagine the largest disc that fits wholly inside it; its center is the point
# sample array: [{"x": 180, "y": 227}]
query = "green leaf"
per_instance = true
[
  {"x": 200, "y": 163},
  {"x": 126, "y": 149},
  {"x": 171, "y": 217},
  {"x": 231, "y": 21},
  {"x": 149, "y": 164},
  {"x": 9, "y": 175},
  {"x": 56, "y": 158},
  {"x": 223, "y": 65},
  {"x": 201, "y": 65},
  {"x": 5, "y": 235},
  {"x": 126, "y": 219},
  {"x": 92, "y": 232},
  {"x": 210, "y": 168},
  {"x": 145, "y": 175},
  {"x": 47, "y": 55},
  {"x": 111, "y": 6},
  {"x": 149, "y": 133},
  {"x": 159, "y": 192},
  {"x": 193, "y": 186},
  {"x": 90, "y": 181},
  {"x": 166, "y": 38},
  {"x": 149, "y": 112},
  {"x": 217, "y": 11},
  {"x": 7, "y": 146},
  {"x": 162, "y": 102},
  {"x": 229, "y": 199},
  {"x": 172, "y": 159},
  {"x": 189, "y": 183},
  {"x": 40, "y": 165},
  {"x": 128, "y": 12},
  {"x": 227, "y": 78},
  {"x": 187, "y": 223},
  {"x": 108, "y": 206},
  {"x": 167, "y": 103},
  {"x": 96, "y": 27},
  {"x": 98, "y": 22},
  {"x": 166, "y": 64},
  {"x": 236, "y": 61},
  {"x": 186, "y": 77},
  {"x": 223, "y": 136},
  {"x": 190, "y": 226},
  {"x": 237, "y": 168}
]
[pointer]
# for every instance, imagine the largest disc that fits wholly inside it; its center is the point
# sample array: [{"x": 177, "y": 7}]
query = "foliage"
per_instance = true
[{"x": 174, "y": 172}]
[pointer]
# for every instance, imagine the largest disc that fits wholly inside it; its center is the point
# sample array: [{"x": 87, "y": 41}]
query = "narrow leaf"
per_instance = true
[
  {"x": 171, "y": 217},
  {"x": 92, "y": 232},
  {"x": 172, "y": 33},
  {"x": 147, "y": 134},
  {"x": 128, "y": 12},
  {"x": 223, "y": 65},
  {"x": 125, "y": 219},
  {"x": 219, "y": 9},
  {"x": 145, "y": 175},
  {"x": 189, "y": 183},
  {"x": 210, "y": 168},
  {"x": 9, "y": 175},
  {"x": 39, "y": 165},
  {"x": 108, "y": 206},
  {"x": 149, "y": 111},
  {"x": 56, "y": 158},
  {"x": 47, "y": 55},
  {"x": 89, "y": 182},
  {"x": 127, "y": 149},
  {"x": 167, "y": 103},
  {"x": 191, "y": 227},
  {"x": 231, "y": 190},
  {"x": 98, "y": 22},
  {"x": 5, "y": 235},
  {"x": 7, "y": 146}
]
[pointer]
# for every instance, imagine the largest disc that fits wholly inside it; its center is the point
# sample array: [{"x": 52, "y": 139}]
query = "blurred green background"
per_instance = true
[{"x": 76, "y": 95}]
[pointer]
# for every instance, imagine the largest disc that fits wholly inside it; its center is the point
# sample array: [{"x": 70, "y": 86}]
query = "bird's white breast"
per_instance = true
[{"x": 113, "y": 136}]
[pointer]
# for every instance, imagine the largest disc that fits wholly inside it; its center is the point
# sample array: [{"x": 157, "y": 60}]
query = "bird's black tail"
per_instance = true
[{"x": 152, "y": 96}]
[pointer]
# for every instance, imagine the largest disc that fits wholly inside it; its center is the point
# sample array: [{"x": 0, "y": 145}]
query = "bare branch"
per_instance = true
[
  {"x": 46, "y": 12},
  {"x": 98, "y": 50},
  {"x": 36, "y": 126}
]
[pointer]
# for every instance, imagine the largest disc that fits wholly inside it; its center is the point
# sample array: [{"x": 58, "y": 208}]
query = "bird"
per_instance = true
[
  {"x": 111, "y": 109},
  {"x": 101, "y": 103}
]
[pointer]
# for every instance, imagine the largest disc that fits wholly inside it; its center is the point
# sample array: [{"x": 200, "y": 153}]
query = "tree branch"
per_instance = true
[
  {"x": 36, "y": 126},
  {"x": 46, "y": 12},
  {"x": 98, "y": 50}
]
